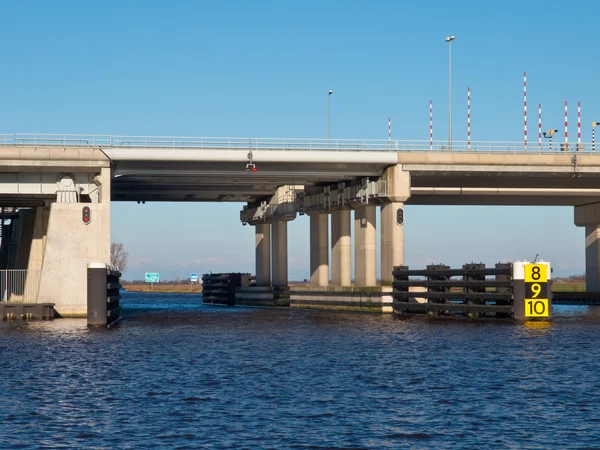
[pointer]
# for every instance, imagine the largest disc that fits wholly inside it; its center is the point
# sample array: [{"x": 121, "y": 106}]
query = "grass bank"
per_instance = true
[
  {"x": 171, "y": 288},
  {"x": 197, "y": 288}
]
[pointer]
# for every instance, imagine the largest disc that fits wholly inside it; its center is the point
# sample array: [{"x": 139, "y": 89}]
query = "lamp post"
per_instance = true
[
  {"x": 449, "y": 40},
  {"x": 329, "y": 115},
  {"x": 594, "y": 125},
  {"x": 548, "y": 135}
]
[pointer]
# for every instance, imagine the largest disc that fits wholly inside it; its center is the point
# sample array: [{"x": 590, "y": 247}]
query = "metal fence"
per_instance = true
[
  {"x": 19, "y": 286},
  {"x": 298, "y": 144}
]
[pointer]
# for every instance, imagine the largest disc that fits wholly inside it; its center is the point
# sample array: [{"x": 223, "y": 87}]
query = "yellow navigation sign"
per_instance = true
[
  {"x": 536, "y": 273},
  {"x": 536, "y": 290},
  {"x": 536, "y": 308}
]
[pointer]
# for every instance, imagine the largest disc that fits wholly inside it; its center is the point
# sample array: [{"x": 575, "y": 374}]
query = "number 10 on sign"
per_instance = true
[{"x": 536, "y": 290}]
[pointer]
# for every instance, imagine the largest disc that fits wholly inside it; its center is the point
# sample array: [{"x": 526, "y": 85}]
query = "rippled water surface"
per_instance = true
[{"x": 177, "y": 374}]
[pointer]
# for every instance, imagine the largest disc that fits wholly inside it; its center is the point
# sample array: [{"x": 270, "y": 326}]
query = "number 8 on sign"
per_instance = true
[{"x": 536, "y": 273}]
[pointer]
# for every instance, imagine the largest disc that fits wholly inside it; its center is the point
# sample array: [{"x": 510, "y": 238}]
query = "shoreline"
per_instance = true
[
  {"x": 197, "y": 288},
  {"x": 164, "y": 288}
]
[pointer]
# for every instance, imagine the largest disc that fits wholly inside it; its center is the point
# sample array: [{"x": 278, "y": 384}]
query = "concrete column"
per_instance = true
[
  {"x": 592, "y": 258},
  {"x": 365, "y": 245},
  {"x": 588, "y": 216},
  {"x": 319, "y": 249},
  {"x": 392, "y": 232},
  {"x": 280, "y": 253},
  {"x": 392, "y": 240},
  {"x": 341, "y": 258},
  {"x": 263, "y": 254}
]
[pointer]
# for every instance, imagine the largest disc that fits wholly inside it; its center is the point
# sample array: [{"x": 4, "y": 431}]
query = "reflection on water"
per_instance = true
[
  {"x": 541, "y": 325},
  {"x": 178, "y": 374}
]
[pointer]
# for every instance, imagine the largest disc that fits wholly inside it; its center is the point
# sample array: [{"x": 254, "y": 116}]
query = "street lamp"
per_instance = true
[
  {"x": 548, "y": 135},
  {"x": 594, "y": 125},
  {"x": 329, "y": 115},
  {"x": 449, "y": 40}
]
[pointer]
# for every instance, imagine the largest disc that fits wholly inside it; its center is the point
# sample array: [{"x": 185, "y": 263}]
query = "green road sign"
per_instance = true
[{"x": 152, "y": 278}]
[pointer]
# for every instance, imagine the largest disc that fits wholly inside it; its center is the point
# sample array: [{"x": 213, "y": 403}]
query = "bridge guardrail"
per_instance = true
[{"x": 297, "y": 144}]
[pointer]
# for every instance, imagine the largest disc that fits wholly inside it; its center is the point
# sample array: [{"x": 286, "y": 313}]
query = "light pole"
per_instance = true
[
  {"x": 329, "y": 115},
  {"x": 449, "y": 40},
  {"x": 594, "y": 125},
  {"x": 548, "y": 135}
]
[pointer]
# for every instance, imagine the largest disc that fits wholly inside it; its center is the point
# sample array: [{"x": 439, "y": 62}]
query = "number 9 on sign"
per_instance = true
[{"x": 536, "y": 307}]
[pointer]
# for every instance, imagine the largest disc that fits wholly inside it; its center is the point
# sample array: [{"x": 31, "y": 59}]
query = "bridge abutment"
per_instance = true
[{"x": 69, "y": 245}]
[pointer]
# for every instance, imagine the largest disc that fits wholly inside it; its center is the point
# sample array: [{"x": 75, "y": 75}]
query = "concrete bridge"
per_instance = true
[{"x": 56, "y": 175}]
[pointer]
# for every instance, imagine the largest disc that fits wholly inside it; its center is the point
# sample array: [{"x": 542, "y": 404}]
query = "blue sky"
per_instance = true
[{"x": 263, "y": 69}]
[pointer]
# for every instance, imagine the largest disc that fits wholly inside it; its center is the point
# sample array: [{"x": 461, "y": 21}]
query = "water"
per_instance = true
[{"x": 178, "y": 374}]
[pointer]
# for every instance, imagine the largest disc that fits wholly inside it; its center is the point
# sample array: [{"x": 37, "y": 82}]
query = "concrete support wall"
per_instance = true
[
  {"x": 588, "y": 216},
  {"x": 263, "y": 254},
  {"x": 365, "y": 245},
  {"x": 280, "y": 254},
  {"x": 319, "y": 249},
  {"x": 592, "y": 258},
  {"x": 70, "y": 246},
  {"x": 392, "y": 241},
  {"x": 341, "y": 246}
]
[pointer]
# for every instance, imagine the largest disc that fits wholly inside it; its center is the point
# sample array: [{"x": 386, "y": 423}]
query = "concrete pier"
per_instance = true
[
  {"x": 341, "y": 246},
  {"x": 263, "y": 254},
  {"x": 70, "y": 244},
  {"x": 319, "y": 249},
  {"x": 365, "y": 245},
  {"x": 588, "y": 216},
  {"x": 392, "y": 221},
  {"x": 592, "y": 258},
  {"x": 392, "y": 240},
  {"x": 279, "y": 240}
]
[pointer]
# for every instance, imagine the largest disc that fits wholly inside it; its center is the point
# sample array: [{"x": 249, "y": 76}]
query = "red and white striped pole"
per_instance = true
[
  {"x": 566, "y": 128},
  {"x": 525, "y": 109},
  {"x": 540, "y": 126},
  {"x": 469, "y": 118},
  {"x": 430, "y": 125},
  {"x": 390, "y": 133},
  {"x": 578, "y": 125}
]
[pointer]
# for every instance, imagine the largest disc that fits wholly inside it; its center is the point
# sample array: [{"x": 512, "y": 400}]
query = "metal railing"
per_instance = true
[
  {"x": 19, "y": 286},
  {"x": 298, "y": 144}
]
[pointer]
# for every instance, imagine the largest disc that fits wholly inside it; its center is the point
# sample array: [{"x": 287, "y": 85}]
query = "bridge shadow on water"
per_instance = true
[{"x": 174, "y": 306}]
